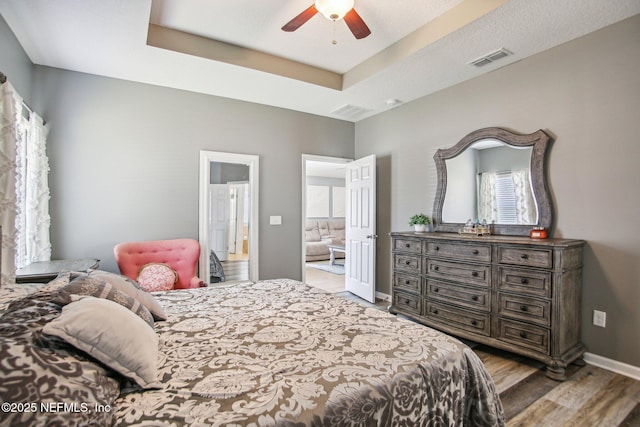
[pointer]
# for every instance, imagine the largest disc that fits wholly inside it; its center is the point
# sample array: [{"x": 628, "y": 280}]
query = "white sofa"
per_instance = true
[{"x": 319, "y": 234}]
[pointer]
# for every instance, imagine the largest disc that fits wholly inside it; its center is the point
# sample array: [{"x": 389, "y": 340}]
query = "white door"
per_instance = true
[
  {"x": 239, "y": 217},
  {"x": 361, "y": 228},
  {"x": 219, "y": 220}
]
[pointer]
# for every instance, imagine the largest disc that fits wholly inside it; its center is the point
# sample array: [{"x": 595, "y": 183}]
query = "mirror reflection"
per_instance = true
[
  {"x": 496, "y": 175},
  {"x": 490, "y": 181}
]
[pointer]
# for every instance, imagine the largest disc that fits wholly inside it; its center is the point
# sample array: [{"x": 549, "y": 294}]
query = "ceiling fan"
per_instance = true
[{"x": 333, "y": 10}]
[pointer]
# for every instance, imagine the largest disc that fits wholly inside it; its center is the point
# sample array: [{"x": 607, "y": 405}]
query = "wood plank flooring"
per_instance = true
[
  {"x": 590, "y": 397},
  {"x": 235, "y": 270}
]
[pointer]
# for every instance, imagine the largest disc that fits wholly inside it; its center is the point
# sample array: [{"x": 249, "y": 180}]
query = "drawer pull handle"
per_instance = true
[
  {"x": 474, "y": 298},
  {"x": 474, "y": 274},
  {"x": 436, "y": 289},
  {"x": 408, "y": 245},
  {"x": 523, "y": 334},
  {"x": 406, "y": 282},
  {"x": 475, "y": 252},
  {"x": 523, "y": 308},
  {"x": 407, "y": 301},
  {"x": 524, "y": 256},
  {"x": 435, "y": 311},
  {"x": 407, "y": 262},
  {"x": 436, "y": 268},
  {"x": 523, "y": 281},
  {"x": 437, "y": 248},
  {"x": 474, "y": 323}
]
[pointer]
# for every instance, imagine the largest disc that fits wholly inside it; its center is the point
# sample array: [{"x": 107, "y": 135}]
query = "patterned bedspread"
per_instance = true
[{"x": 279, "y": 352}]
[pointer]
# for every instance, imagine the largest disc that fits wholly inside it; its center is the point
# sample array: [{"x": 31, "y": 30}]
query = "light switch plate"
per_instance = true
[{"x": 275, "y": 220}]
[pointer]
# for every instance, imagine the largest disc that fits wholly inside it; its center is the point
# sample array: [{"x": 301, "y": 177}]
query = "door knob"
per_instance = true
[{"x": 372, "y": 236}]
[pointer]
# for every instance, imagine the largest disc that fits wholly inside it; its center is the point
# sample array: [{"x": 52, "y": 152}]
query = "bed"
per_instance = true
[{"x": 274, "y": 352}]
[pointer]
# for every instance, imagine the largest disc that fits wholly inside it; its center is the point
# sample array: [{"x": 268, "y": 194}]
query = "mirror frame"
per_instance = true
[{"x": 539, "y": 140}]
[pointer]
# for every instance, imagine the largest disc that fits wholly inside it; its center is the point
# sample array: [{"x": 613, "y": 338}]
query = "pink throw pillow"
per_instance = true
[{"x": 157, "y": 277}]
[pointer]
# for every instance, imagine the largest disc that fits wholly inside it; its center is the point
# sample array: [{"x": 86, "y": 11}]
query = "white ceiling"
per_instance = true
[{"x": 416, "y": 47}]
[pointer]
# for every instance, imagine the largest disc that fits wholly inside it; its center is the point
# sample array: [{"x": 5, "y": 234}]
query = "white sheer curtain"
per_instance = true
[
  {"x": 525, "y": 205},
  {"x": 10, "y": 109},
  {"x": 487, "y": 203},
  {"x": 36, "y": 199},
  {"x": 506, "y": 198},
  {"x": 24, "y": 189}
]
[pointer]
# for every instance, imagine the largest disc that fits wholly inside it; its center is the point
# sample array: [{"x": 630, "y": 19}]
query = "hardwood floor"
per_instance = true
[
  {"x": 235, "y": 270},
  {"x": 590, "y": 397}
]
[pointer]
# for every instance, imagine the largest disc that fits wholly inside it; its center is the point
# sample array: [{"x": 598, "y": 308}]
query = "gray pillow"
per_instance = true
[
  {"x": 111, "y": 334},
  {"x": 92, "y": 286},
  {"x": 131, "y": 288},
  {"x": 36, "y": 369}
]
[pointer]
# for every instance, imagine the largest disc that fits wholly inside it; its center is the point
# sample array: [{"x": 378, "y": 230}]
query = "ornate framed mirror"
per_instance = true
[{"x": 496, "y": 175}]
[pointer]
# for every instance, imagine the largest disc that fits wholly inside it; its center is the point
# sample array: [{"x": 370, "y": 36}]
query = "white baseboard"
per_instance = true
[
  {"x": 383, "y": 297},
  {"x": 613, "y": 365}
]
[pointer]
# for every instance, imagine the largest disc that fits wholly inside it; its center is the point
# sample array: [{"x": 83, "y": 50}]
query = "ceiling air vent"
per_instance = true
[
  {"x": 351, "y": 112},
  {"x": 490, "y": 57}
]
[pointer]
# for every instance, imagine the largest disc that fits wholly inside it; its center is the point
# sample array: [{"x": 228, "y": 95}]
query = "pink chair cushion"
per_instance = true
[
  {"x": 157, "y": 277},
  {"x": 181, "y": 254}
]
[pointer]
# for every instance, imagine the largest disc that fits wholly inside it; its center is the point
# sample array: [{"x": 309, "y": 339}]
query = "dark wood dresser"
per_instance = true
[{"x": 510, "y": 292}]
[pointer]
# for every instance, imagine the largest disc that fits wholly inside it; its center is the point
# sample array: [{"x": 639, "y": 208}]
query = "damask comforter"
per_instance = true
[
  {"x": 280, "y": 352},
  {"x": 275, "y": 352}
]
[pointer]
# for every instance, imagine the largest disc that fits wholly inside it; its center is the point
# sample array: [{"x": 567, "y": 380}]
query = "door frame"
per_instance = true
[
  {"x": 253, "y": 161},
  {"x": 313, "y": 157}
]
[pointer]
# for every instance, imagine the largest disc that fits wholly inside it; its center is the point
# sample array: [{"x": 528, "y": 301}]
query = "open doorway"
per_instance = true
[
  {"x": 228, "y": 216},
  {"x": 323, "y": 221}
]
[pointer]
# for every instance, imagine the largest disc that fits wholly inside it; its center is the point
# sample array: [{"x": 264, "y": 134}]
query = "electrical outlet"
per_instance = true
[{"x": 599, "y": 318}]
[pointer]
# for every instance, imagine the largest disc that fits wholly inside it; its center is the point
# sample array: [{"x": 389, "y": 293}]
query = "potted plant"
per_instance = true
[{"x": 419, "y": 222}]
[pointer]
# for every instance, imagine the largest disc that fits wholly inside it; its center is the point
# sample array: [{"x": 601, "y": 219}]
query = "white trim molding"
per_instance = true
[
  {"x": 383, "y": 296},
  {"x": 613, "y": 365},
  {"x": 253, "y": 161}
]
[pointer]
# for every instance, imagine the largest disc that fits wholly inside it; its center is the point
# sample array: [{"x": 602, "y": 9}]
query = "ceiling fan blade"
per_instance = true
[
  {"x": 356, "y": 24},
  {"x": 297, "y": 22}
]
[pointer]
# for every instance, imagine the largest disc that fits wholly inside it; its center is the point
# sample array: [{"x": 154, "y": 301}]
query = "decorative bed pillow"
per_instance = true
[
  {"x": 92, "y": 286},
  {"x": 37, "y": 369},
  {"x": 112, "y": 334},
  {"x": 157, "y": 277},
  {"x": 131, "y": 288}
]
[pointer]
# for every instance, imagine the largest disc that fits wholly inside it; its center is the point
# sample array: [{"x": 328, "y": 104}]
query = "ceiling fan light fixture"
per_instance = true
[{"x": 334, "y": 9}]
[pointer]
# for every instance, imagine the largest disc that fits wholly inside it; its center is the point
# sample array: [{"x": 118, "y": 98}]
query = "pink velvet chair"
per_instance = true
[{"x": 181, "y": 254}]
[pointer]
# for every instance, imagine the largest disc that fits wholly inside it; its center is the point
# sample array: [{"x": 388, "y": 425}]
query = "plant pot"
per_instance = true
[{"x": 420, "y": 228}]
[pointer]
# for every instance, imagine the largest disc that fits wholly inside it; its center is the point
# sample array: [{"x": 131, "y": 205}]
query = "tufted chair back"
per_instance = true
[{"x": 181, "y": 254}]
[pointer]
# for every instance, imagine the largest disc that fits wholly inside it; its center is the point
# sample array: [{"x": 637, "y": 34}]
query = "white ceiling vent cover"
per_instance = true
[
  {"x": 490, "y": 57},
  {"x": 349, "y": 111}
]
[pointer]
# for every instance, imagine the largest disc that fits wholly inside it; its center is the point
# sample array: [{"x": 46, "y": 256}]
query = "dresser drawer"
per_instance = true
[
  {"x": 531, "y": 282},
  {"x": 477, "y": 298},
  {"x": 523, "y": 308},
  {"x": 407, "y": 303},
  {"x": 525, "y": 335},
  {"x": 525, "y": 256},
  {"x": 461, "y": 251},
  {"x": 407, "y": 245},
  {"x": 463, "y": 273},
  {"x": 408, "y": 263},
  {"x": 408, "y": 283},
  {"x": 478, "y": 323}
]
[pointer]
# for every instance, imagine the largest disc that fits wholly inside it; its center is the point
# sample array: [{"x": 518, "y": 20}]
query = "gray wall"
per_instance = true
[
  {"x": 587, "y": 94},
  {"x": 124, "y": 163},
  {"x": 14, "y": 62},
  {"x": 221, "y": 173}
]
